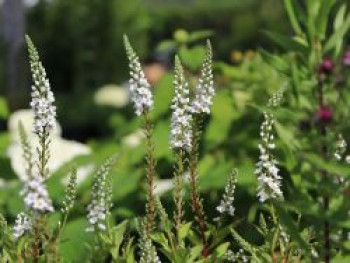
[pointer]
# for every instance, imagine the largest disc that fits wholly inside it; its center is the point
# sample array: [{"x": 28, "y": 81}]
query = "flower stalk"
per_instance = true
[
  {"x": 142, "y": 98},
  {"x": 181, "y": 136},
  {"x": 203, "y": 96}
]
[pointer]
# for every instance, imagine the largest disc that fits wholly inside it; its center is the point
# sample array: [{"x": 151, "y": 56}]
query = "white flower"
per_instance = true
[
  {"x": 204, "y": 91},
  {"x": 140, "y": 89},
  {"x": 112, "y": 95},
  {"x": 101, "y": 195},
  {"x": 226, "y": 203},
  {"x": 149, "y": 253},
  {"x": 276, "y": 98},
  {"x": 340, "y": 148},
  {"x": 22, "y": 225},
  {"x": 36, "y": 196},
  {"x": 25, "y": 116},
  {"x": 181, "y": 131},
  {"x": 42, "y": 97},
  {"x": 268, "y": 173}
]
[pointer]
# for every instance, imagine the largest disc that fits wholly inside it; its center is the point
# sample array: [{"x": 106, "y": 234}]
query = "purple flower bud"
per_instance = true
[
  {"x": 324, "y": 114},
  {"x": 326, "y": 66}
]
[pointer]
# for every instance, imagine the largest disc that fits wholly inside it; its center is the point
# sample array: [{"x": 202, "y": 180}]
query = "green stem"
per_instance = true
[
  {"x": 179, "y": 213},
  {"x": 196, "y": 202},
  {"x": 150, "y": 174}
]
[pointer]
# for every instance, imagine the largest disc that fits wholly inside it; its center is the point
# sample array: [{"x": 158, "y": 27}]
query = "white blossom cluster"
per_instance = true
[
  {"x": 140, "y": 89},
  {"x": 181, "y": 131},
  {"x": 101, "y": 195},
  {"x": 22, "y": 225},
  {"x": 239, "y": 256},
  {"x": 341, "y": 149},
  {"x": 36, "y": 196},
  {"x": 269, "y": 186},
  {"x": 276, "y": 98},
  {"x": 204, "y": 91},
  {"x": 226, "y": 204},
  {"x": 284, "y": 235},
  {"x": 148, "y": 253},
  {"x": 42, "y": 97}
]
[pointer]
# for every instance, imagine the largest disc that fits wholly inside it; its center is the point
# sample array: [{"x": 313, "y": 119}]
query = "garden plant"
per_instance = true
[{"x": 297, "y": 137}]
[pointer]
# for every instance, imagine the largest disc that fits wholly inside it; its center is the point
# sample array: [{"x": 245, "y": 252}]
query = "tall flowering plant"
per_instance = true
[{"x": 301, "y": 168}]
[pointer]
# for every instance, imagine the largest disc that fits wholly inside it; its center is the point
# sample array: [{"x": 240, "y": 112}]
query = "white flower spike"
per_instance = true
[
  {"x": 140, "y": 89},
  {"x": 181, "y": 131},
  {"x": 42, "y": 97},
  {"x": 22, "y": 225},
  {"x": 204, "y": 91},
  {"x": 268, "y": 174}
]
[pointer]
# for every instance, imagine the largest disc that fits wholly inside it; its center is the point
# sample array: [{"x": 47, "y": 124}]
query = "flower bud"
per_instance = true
[
  {"x": 326, "y": 66},
  {"x": 324, "y": 114}
]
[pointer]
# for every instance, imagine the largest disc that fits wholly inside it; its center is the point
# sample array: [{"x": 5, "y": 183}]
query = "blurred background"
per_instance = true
[{"x": 80, "y": 43}]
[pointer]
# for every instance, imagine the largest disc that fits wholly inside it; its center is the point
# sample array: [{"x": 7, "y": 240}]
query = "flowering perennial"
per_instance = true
[
  {"x": 42, "y": 97},
  {"x": 204, "y": 91},
  {"x": 226, "y": 204},
  {"x": 101, "y": 196},
  {"x": 140, "y": 89},
  {"x": 22, "y": 225},
  {"x": 36, "y": 196},
  {"x": 268, "y": 174},
  {"x": 181, "y": 132}
]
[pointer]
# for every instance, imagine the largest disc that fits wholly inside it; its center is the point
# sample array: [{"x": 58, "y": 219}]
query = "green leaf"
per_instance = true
[
  {"x": 119, "y": 231},
  {"x": 287, "y": 43},
  {"x": 275, "y": 61},
  {"x": 287, "y": 136},
  {"x": 245, "y": 245},
  {"x": 262, "y": 223},
  {"x": 313, "y": 9},
  {"x": 192, "y": 57},
  {"x": 200, "y": 35},
  {"x": 222, "y": 249},
  {"x": 291, "y": 228},
  {"x": 184, "y": 230},
  {"x": 166, "y": 45},
  {"x": 223, "y": 113},
  {"x": 341, "y": 259},
  {"x": 163, "y": 94},
  {"x": 293, "y": 17},
  {"x": 73, "y": 250},
  {"x": 322, "y": 18},
  {"x": 328, "y": 166},
  {"x": 162, "y": 240},
  {"x": 128, "y": 251},
  {"x": 337, "y": 37}
]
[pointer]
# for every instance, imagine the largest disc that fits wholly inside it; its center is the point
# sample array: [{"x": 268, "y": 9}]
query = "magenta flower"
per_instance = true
[
  {"x": 326, "y": 66},
  {"x": 324, "y": 114},
  {"x": 346, "y": 58}
]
